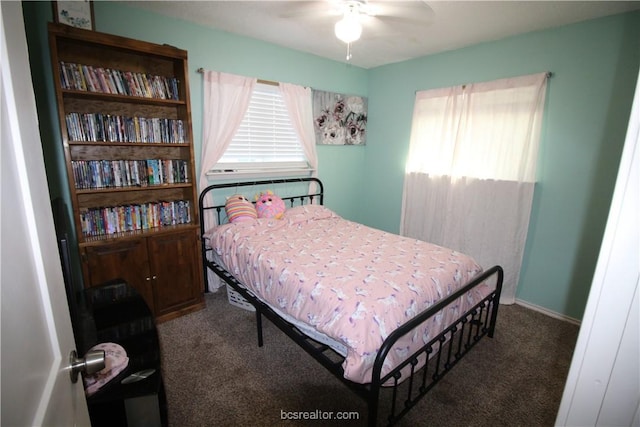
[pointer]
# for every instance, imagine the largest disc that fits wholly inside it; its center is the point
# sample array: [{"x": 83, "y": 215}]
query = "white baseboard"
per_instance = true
[{"x": 547, "y": 312}]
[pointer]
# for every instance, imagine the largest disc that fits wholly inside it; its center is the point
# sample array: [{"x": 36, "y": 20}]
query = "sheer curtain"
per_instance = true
[
  {"x": 226, "y": 99},
  {"x": 470, "y": 174},
  {"x": 300, "y": 106}
]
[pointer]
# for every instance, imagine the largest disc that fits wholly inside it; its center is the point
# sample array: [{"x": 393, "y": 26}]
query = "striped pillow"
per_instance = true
[{"x": 239, "y": 208}]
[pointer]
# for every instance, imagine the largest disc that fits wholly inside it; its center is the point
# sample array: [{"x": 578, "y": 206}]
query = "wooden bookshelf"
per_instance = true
[{"x": 125, "y": 122}]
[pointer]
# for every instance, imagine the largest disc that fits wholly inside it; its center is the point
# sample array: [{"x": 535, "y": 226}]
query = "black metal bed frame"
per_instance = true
[{"x": 405, "y": 388}]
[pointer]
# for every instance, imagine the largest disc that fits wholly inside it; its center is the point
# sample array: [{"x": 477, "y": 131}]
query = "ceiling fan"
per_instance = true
[{"x": 359, "y": 13}]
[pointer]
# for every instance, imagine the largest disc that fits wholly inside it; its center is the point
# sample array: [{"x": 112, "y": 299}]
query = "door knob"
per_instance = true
[{"x": 91, "y": 363}]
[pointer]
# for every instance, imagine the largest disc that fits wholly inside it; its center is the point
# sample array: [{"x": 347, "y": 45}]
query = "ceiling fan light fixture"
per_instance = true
[{"x": 349, "y": 29}]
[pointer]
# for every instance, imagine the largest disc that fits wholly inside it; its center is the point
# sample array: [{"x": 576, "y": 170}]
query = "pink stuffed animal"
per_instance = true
[{"x": 268, "y": 205}]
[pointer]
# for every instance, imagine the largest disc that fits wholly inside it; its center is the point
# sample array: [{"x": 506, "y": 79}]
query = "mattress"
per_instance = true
[
  {"x": 306, "y": 329},
  {"x": 345, "y": 281}
]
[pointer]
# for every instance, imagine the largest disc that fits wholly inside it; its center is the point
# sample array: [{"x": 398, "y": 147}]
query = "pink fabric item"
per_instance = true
[
  {"x": 353, "y": 283},
  {"x": 115, "y": 361}
]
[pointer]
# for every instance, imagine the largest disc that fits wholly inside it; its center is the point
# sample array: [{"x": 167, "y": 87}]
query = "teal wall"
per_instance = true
[{"x": 595, "y": 65}]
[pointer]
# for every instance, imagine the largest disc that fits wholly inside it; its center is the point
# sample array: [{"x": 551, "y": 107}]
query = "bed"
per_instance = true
[{"x": 387, "y": 315}]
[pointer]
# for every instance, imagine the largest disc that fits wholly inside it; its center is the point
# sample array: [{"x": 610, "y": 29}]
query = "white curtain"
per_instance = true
[
  {"x": 300, "y": 107},
  {"x": 470, "y": 174},
  {"x": 226, "y": 99}
]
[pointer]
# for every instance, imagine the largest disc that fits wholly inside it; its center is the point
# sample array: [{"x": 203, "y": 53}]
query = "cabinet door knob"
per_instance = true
[{"x": 154, "y": 277}]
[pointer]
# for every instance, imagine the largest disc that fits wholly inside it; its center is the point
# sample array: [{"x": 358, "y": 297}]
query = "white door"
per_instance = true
[
  {"x": 603, "y": 385},
  {"x": 36, "y": 328}
]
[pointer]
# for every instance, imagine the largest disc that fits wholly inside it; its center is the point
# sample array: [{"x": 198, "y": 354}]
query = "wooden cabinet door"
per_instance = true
[
  {"x": 127, "y": 260},
  {"x": 177, "y": 277}
]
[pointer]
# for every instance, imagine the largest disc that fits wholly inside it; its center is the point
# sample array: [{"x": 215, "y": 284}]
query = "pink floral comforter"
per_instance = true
[{"x": 353, "y": 283}]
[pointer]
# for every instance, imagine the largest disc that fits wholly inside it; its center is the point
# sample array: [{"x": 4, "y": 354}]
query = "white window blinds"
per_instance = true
[{"x": 266, "y": 139}]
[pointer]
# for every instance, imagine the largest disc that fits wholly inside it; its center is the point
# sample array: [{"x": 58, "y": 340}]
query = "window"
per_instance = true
[
  {"x": 471, "y": 170},
  {"x": 487, "y": 130},
  {"x": 266, "y": 141}
]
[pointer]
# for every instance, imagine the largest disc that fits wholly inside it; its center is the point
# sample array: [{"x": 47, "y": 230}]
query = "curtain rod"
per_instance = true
[
  {"x": 264, "y": 82},
  {"x": 549, "y": 74}
]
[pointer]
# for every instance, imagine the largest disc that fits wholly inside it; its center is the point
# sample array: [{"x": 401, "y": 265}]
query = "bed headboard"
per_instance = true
[{"x": 291, "y": 190}]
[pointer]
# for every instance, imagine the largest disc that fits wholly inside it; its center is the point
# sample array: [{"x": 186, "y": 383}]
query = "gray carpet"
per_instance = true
[{"x": 216, "y": 375}]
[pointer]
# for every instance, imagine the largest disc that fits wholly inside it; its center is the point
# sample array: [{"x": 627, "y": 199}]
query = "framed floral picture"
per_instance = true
[
  {"x": 75, "y": 13},
  {"x": 339, "y": 119}
]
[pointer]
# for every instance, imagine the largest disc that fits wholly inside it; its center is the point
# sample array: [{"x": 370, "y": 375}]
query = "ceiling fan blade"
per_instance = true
[
  {"x": 317, "y": 8},
  {"x": 311, "y": 9},
  {"x": 398, "y": 21},
  {"x": 416, "y": 9}
]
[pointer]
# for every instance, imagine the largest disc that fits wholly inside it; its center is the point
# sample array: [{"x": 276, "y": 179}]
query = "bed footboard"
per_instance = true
[{"x": 413, "y": 378}]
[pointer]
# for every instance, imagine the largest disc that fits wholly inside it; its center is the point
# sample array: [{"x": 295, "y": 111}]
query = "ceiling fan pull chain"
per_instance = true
[{"x": 349, "y": 55}]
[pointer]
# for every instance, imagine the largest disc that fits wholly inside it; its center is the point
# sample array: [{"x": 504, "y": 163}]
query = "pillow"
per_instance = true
[
  {"x": 303, "y": 213},
  {"x": 239, "y": 208},
  {"x": 268, "y": 205}
]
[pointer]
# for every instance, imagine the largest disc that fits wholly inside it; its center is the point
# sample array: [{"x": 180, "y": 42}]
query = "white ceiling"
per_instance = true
[{"x": 402, "y": 30}]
